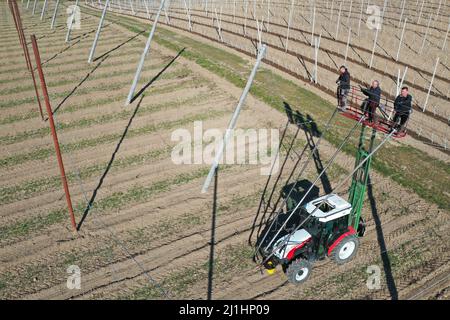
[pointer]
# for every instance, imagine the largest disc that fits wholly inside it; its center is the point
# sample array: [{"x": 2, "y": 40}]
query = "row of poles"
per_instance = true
[
  {"x": 130, "y": 97},
  {"x": 315, "y": 41},
  {"x": 19, "y": 27}
]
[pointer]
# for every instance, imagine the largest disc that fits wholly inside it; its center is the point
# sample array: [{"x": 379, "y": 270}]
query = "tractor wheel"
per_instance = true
[
  {"x": 298, "y": 271},
  {"x": 345, "y": 250}
]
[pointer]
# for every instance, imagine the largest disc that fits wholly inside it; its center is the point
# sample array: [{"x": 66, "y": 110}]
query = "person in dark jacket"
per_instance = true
[
  {"x": 343, "y": 87},
  {"x": 402, "y": 108},
  {"x": 371, "y": 103}
]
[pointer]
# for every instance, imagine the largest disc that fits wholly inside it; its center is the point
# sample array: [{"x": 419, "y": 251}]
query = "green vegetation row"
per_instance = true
[
  {"x": 138, "y": 239},
  {"x": 55, "y": 65},
  {"x": 42, "y": 153},
  {"x": 87, "y": 122},
  {"x": 28, "y": 188},
  {"x": 231, "y": 260},
  {"x": 96, "y": 102},
  {"x": 76, "y": 73},
  {"x": 99, "y": 87}
]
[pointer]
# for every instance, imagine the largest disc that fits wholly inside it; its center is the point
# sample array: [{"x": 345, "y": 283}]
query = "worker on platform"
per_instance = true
[
  {"x": 402, "y": 108},
  {"x": 343, "y": 89},
  {"x": 371, "y": 103}
]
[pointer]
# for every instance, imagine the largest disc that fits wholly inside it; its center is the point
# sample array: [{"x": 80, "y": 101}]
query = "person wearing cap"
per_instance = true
[{"x": 343, "y": 83}]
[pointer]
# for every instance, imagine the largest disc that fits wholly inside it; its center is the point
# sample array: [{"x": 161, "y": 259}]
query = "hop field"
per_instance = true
[{"x": 145, "y": 229}]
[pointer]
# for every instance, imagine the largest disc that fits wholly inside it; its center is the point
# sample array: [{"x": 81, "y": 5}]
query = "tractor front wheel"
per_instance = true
[
  {"x": 345, "y": 250},
  {"x": 298, "y": 271}
]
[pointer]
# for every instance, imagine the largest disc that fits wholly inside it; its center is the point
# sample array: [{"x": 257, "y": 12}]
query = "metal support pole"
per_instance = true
[
  {"x": 338, "y": 21},
  {"x": 44, "y": 7},
  {"x": 69, "y": 29},
  {"x": 401, "y": 40},
  {"x": 34, "y": 7},
  {"x": 144, "y": 54},
  {"x": 426, "y": 34},
  {"x": 233, "y": 120},
  {"x": 55, "y": 12},
  {"x": 97, "y": 34},
  {"x": 420, "y": 13},
  {"x": 348, "y": 43},
  {"x": 446, "y": 36},
  {"x": 431, "y": 84},
  {"x": 360, "y": 16},
  {"x": 53, "y": 131},
  {"x": 316, "y": 55},
  {"x": 374, "y": 47},
  {"x": 289, "y": 24},
  {"x": 313, "y": 23}
]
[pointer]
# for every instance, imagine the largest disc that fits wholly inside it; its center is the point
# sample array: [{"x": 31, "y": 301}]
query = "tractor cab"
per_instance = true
[{"x": 323, "y": 231}]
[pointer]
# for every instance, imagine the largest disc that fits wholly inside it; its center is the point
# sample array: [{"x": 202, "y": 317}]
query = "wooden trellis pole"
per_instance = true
[{"x": 53, "y": 131}]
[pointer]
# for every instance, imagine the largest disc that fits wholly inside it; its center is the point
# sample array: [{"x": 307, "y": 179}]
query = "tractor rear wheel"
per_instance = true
[
  {"x": 345, "y": 250},
  {"x": 298, "y": 271}
]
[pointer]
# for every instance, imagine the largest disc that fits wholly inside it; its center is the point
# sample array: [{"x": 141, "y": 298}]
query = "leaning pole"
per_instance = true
[
  {"x": 144, "y": 54},
  {"x": 233, "y": 120},
  {"x": 97, "y": 34}
]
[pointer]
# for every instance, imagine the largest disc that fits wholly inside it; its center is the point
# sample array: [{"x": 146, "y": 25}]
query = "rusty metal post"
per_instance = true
[
  {"x": 53, "y": 130},
  {"x": 16, "y": 14},
  {"x": 16, "y": 23}
]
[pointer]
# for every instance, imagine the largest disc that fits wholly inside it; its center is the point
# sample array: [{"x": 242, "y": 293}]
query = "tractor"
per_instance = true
[
  {"x": 326, "y": 226},
  {"x": 325, "y": 232}
]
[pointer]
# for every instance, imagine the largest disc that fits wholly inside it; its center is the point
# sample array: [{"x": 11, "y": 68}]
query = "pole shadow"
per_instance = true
[
  {"x": 79, "y": 84},
  {"x": 390, "y": 281},
  {"x": 213, "y": 234},
  {"x": 140, "y": 92},
  {"x": 119, "y": 45},
  {"x": 108, "y": 167}
]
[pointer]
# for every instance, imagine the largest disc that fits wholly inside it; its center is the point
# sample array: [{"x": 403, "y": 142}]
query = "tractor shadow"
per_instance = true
[
  {"x": 390, "y": 281},
  {"x": 269, "y": 207}
]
